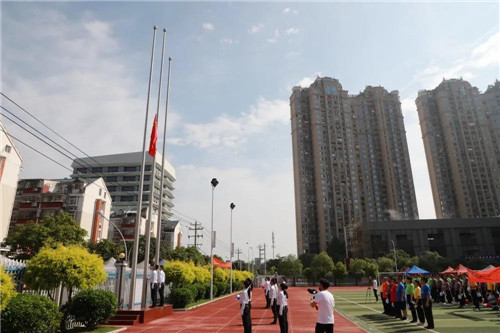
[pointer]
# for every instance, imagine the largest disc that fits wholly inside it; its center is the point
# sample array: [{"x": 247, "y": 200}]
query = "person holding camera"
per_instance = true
[{"x": 324, "y": 303}]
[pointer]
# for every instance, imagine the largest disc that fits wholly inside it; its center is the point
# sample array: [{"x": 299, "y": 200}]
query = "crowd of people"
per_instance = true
[{"x": 417, "y": 295}]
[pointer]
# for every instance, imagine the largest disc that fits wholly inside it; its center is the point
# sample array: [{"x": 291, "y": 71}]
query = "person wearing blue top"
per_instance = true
[
  {"x": 401, "y": 296},
  {"x": 426, "y": 299}
]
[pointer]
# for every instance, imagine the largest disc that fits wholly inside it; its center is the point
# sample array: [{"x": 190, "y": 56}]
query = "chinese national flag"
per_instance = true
[{"x": 154, "y": 137}]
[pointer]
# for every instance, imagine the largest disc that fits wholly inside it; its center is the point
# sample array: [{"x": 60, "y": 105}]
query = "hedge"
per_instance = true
[{"x": 93, "y": 307}]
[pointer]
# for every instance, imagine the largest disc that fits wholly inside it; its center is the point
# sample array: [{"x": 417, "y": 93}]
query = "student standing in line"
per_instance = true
[
  {"x": 161, "y": 285},
  {"x": 325, "y": 303},
  {"x": 410, "y": 290},
  {"x": 267, "y": 286},
  {"x": 245, "y": 307},
  {"x": 283, "y": 308},
  {"x": 250, "y": 282},
  {"x": 401, "y": 296},
  {"x": 154, "y": 285},
  {"x": 394, "y": 300},
  {"x": 426, "y": 299},
  {"x": 374, "y": 287},
  {"x": 474, "y": 291},
  {"x": 460, "y": 293},
  {"x": 383, "y": 294},
  {"x": 273, "y": 294},
  {"x": 417, "y": 296},
  {"x": 388, "y": 300}
]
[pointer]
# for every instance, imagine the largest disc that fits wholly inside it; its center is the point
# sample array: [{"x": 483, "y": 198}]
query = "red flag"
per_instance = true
[{"x": 154, "y": 137}]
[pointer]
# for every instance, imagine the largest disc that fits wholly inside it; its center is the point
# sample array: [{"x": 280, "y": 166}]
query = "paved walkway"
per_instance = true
[{"x": 223, "y": 316}]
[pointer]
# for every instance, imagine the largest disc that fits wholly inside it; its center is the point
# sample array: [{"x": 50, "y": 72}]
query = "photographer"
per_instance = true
[{"x": 324, "y": 303}]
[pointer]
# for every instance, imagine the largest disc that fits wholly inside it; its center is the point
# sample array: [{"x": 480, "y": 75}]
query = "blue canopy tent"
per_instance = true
[{"x": 416, "y": 270}]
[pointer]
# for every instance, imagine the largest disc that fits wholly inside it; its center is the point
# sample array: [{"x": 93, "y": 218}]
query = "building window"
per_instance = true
[
  {"x": 8, "y": 148},
  {"x": 129, "y": 178},
  {"x": 130, "y": 168},
  {"x": 100, "y": 191},
  {"x": 112, "y": 169}
]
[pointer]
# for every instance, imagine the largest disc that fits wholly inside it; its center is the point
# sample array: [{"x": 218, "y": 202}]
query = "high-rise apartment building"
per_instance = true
[
  {"x": 460, "y": 134},
  {"x": 83, "y": 199},
  {"x": 122, "y": 173},
  {"x": 351, "y": 161}
]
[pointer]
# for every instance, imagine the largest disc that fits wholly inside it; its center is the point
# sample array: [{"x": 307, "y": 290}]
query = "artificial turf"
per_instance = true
[{"x": 363, "y": 310}]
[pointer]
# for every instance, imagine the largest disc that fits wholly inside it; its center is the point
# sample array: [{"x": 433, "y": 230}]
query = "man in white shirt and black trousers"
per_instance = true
[
  {"x": 154, "y": 285},
  {"x": 161, "y": 285},
  {"x": 324, "y": 303},
  {"x": 267, "y": 287},
  {"x": 273, "y": 294}
]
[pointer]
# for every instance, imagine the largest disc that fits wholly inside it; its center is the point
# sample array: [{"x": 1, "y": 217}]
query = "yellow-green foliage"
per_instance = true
[
  {"x": 72, "y": 265},
  {"x": 221, "y": 274},
  {"x": 179, "y": 273},
  {"x": 201, "y": 273},
  {"x": 6, "y": 288}
]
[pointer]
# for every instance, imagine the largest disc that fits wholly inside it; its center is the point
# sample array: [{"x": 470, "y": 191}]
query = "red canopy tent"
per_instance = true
[
  {"x": 219, "y": 263},
  {"x": 449, "y": 270},
  {"x": 461, "y": 269},
  {"x": 491, "y": 275}
]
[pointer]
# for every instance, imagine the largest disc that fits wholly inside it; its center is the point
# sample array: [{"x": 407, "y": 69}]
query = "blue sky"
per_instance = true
[{"x": 83, "y": 67}]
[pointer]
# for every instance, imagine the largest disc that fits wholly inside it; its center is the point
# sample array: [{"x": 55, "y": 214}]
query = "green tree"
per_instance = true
[
  {"x": 6, "y": 288},
  {"x": 339, "y": 272},
  {"x": 322, "y": 265},
  {"x": 336, "y": 249},
  {"x": 308, "y": 274},
  {"x": 371, "y": 267},
  {"x": 431, "y": 261},
  {"x": 31, "y": 237},
  {"x": 357, "y": 269},
  {"x": 106, "y": 248},
  {"x": 385, "y": 264},
  {"x": 306, "y": 259},
  {"x": 290, "y": 266},
  {"x": 71, "y": 265}
]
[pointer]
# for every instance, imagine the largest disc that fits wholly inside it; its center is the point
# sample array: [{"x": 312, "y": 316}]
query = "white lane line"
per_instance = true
[{"x": 372, "y": 309}]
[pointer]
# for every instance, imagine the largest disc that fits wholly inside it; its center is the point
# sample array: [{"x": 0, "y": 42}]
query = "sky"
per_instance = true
[{"x": 82, "y": 68}]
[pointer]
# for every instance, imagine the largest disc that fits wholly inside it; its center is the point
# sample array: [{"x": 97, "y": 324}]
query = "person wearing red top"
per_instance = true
[
  {"x": 383, "y": 294},
  {"x": 390, "y": 309},
  {"x": 394, "y": 301}
]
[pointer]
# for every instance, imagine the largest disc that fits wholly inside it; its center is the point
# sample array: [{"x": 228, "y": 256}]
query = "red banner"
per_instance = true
[
  {"x": 154, "y": 138},
  {"x": 491, "y": 275}
]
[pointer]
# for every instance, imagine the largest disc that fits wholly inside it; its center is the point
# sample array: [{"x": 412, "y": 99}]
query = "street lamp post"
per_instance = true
[
  {"x": 231, "y": 248},
  {"x": 253, "y": 258},
  {"x": 214, "y": 183},
  {"x": 114, "y": 225},
  {"x": 395, "y": 259},
  {"x": 248, "y": 256}
]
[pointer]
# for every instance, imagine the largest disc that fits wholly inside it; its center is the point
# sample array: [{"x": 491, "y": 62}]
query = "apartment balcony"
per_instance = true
[
  {"x": 29, "y": 205},
  {"x": 30, "y": 190},
  {"x": 26, "y": 220},
  {"x": 50, "y": 204}
]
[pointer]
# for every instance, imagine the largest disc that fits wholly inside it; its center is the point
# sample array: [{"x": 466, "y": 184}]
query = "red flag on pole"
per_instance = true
[{"x": 154, "y": 137}]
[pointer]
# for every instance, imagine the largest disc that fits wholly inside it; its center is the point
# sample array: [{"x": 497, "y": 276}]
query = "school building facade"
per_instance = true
[{"x": 467, "y": 238}]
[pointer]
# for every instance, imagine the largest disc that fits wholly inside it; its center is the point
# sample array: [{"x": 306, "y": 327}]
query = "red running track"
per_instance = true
[{"x": 224, "y": 316}]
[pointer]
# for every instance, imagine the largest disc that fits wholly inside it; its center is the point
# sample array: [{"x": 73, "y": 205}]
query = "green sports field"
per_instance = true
[{"x": 447, "y": 319}]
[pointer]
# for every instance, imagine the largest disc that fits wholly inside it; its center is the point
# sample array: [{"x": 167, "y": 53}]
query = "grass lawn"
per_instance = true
[
  {"x": 447, "y": 319},
  {"x": 97, "y": 330}
]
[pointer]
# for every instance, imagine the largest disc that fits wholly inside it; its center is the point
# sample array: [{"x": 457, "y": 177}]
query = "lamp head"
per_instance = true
[
  {"x": 121, "y": 256},
  {"x": 232, "y": 205},
  {"x": 100, "y": 213},
  {"x": 214, "y": 182}
]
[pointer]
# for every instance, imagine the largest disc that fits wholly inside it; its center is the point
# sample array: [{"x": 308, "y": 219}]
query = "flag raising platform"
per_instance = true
[{"x": 140, "y": 315}]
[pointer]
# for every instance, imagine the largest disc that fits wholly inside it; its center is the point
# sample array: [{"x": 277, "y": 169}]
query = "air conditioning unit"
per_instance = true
[{"x": 34, "y": 204}]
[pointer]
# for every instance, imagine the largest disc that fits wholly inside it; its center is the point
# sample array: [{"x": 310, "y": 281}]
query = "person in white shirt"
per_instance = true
[
  {"x": 273, "y": 294},
  {"x": 324, "y": 303},
  {"x": 154, "y": 285},
  {"x": 161, "y": 285},
  {"x": 244, "y": 299},
  {"x": 374, "y": 287},
  {"x": 282, "y": 303},
  {"x": 267, "y": 287}
]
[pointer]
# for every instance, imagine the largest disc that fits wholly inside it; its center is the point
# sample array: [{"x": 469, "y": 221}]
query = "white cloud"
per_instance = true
[
  {"x": 226, "y": 41},
  {"x": 275, "y": 37},
  {"x": 292, "y": 31},
  {"x": 290, "y": 11},
  {"x": 208, "y": 26},
  {"x": 268, "y": 191},
  {"x": 234, "y": 131},
  {"x": 271, "y": 40},
  {"x": 77, "y": 81},
  {"x": 307, "y": 81},
  {"x": 255, "y": 28},
  {"x": 485, "y": 54}
]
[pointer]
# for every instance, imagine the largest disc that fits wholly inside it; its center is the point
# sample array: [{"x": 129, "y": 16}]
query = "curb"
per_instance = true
[
  {"x": 121, "y": 329},
  {"x": 200, "y": 305}
]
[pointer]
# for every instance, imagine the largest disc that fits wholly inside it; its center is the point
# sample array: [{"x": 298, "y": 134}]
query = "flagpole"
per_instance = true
[
  {"x": 138, "y": 218},
  {"x": 158, "y": 230},
  {"x": 151, "y": 188}
]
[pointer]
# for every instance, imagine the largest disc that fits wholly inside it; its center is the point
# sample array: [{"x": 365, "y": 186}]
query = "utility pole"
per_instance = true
[
  {"x": 238, "y": 252},
  {"x": 273, "y": 247},
  {"x": 262, "y": 254},
  {"x": 265, "y": 263},
  {"x": 197, "y": 227}
]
